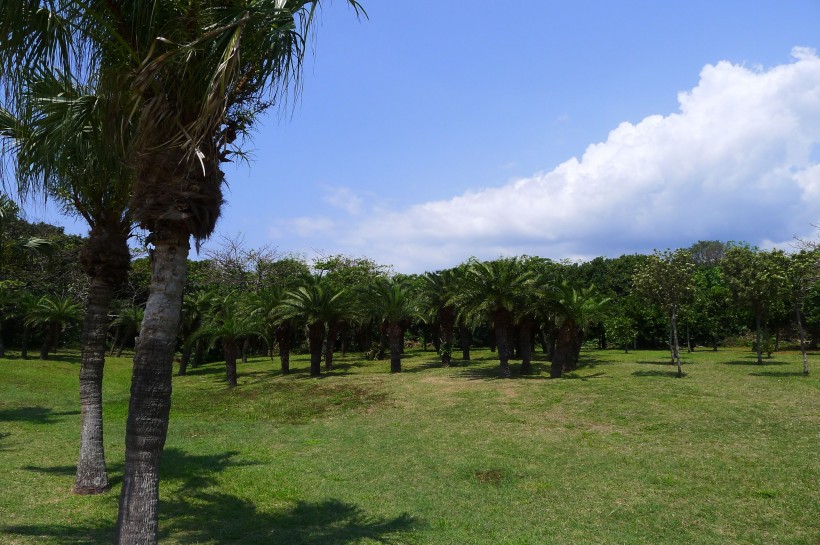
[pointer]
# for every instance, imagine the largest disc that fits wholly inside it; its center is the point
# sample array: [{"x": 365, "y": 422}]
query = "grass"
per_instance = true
[{"x": 619, "y": 451}]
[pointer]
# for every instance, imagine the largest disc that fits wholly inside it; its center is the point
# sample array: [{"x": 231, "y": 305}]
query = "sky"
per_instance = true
[{"x": 431, "y": 132}]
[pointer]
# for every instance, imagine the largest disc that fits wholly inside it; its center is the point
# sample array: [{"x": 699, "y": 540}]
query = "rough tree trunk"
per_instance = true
[
  {"x": 525, "y": 342},
  {"x": 24, "y": 342},
  {"x": 92, "y": 476},
  {"x": 230, "y": 347},
  {"x": 448, "y": 318},
  {"x": 564, "y": 349},
  {"x": 199, "y": 353},
  {"x": 150, "y": 404},
  {"x": 759, "y": 339},
  {"x": 330, "y": 341},
  {"x": 316, "y": 334},
  {"x": 802, "y": 339},
  {"x": 187, "y": 348},
  {"x": 465, "y": 337},
  {"x": 395, "y": 334},
  {"x": 675, "y": 346},
  {"x": 283, "y": 339},
  {"x": 501, "y": 322},
  {"x": 50, "y": 342}
]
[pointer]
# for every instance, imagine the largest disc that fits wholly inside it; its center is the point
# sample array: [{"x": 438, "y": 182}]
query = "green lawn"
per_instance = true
[{"x": 618, "y": 452}]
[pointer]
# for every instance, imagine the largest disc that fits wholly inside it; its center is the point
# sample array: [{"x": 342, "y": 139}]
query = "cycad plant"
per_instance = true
[
  {"x": 394, "y": 305},
  {"x": 53, "y": 313}
]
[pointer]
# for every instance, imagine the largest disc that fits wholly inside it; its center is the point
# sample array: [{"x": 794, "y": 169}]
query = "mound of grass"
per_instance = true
[{"x": 619, "y": 451}]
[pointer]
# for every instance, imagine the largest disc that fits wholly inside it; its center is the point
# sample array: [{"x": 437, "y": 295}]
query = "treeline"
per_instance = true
[{"x": 241, "y": 301}]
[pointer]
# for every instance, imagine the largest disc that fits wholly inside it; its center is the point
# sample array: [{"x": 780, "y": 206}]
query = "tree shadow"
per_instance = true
[
  {"x": 572, "y": 375},
  {"x": 654, "y": 362},
  {"x": 752, "y": 361},
  {"x": 195, "y": 515},
  {"x": 779, "y": 374},
  {"x": 35, "y": 415},
  {"x": 219, "y": 518},
  {"x": 672, "y": 374}
]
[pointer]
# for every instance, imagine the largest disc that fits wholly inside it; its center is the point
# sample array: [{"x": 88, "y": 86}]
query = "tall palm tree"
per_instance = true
[
  {"x": 193, "y": 75},
  {"x": 493, "y": 288},
  {"x": 65, "y": 147}
]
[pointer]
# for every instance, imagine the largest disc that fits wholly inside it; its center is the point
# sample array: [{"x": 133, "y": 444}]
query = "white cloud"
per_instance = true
[
  {"x": 734, "y": 163},
  {"x": 306, "y": 226},
  {"x": 343, "y": 198}
]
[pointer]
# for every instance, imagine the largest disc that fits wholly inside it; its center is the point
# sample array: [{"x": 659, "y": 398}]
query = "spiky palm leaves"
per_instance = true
[
  {"x": 314, "y": 304},
  {"x": 494, "y": 288},
  {"x": 394, "y": 305},
  {"x": 575, "y": 310},
  {"x": 53, "y": 313},
  {"x": 438, "y": 300}
]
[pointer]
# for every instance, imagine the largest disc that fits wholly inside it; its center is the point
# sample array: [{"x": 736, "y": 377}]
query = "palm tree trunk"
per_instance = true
[
  {"x": 130, "y": 331},
  {"x": 525, "y": 342},
  {"x": 50, "y": 341},
  {"x": 283, "y": 338},
  {"x": 231, "y": 349},
  {"x": 395, "y": 334},
  {"x": 150, "y": 404},
  {"x": 466, "y": 340},
  {"x": 492, "y": 339},
  {"x": 198, "y": 353},
  {"x": 246, "y": 347},
  {"x": 501, "y": 323},
  {"x": 316, "y": 332},
  {"x": 448, "y": 317},
  {"x": 329, "y": 342},
  {"x": 187, "y": 348},
  {"x": 24, "y": 342},
  {"x": 92, "y": 477},
  {"x": 564, "y": 346}
]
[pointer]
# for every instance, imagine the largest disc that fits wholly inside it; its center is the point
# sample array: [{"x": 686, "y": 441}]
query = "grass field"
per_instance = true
[{"x": 619, "y": 452}]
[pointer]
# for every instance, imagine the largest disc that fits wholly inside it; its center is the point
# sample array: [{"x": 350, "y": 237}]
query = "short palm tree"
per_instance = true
[
  {"x": 229, "y": 323},
  {"x": 127, "y": 323},
  {"x": 575, "y": 309},
  {"x": 493, "y": 288},
  {"x": 54, "y": 313},
  {"x": 438, "y": 294},
  {"x": 394, "y": 305},
  {"x": 314, "y": 304}
]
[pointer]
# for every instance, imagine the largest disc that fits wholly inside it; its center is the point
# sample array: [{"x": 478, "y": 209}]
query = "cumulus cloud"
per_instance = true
[
  {"x": 739, "y": 160},
  {"x": 734, "y": 163}
]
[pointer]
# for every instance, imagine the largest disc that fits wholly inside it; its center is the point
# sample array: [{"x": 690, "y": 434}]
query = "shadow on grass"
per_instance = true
[
  {"x": 195, "y": 515},
  {"x": 573, "y": 375},
  {"x": 778, "y": 374},
  {"x": 672, "y": 374},
  {"x": 35, "y": 415},
  {"x": 752, "y": 361},
  {"x": 655, "y": 362}
]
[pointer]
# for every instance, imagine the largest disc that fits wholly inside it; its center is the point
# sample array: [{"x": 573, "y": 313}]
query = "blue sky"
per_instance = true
[{"x": 434, "y": 131}]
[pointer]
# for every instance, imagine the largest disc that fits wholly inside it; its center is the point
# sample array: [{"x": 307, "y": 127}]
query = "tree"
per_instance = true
[
  {"x": 759, "y": 284},
  {"x": 193, "y": 76},
  {"x": 68, "y": 120},
  {"x": 666, "y": 279},
  {"x": 576, "y": 310},
  {"x": 621, "y": 331},
  {"x": 229, "y": 323},
  {"x": 437, "y": 297},
  {"x": 492, "y": 288},
  {"x": 802, "y": 270},
  {"x": 393, "y": 304},
  {"x": 55, "y": 314},
  {"x": 313, "y": 304}
]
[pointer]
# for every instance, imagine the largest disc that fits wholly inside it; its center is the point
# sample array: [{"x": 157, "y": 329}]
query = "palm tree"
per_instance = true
[
  {"x": 276, "y": 326},
  {"x": 54, "y": 313},
  {"x": 194, "y": 307},
  {"x": 438, "y": 294},
  {"x": 492, "y": 288},
  {"x": 128, "y": 323},
  {"x": 393, "y": 304},
  {"x": 229, "y": 323},
  {"x": 314, "y": 304},
  {"x": 575, "y": 310},
  {"x": 65, "y": 147},
  {"x": 193, "y": 76}
]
